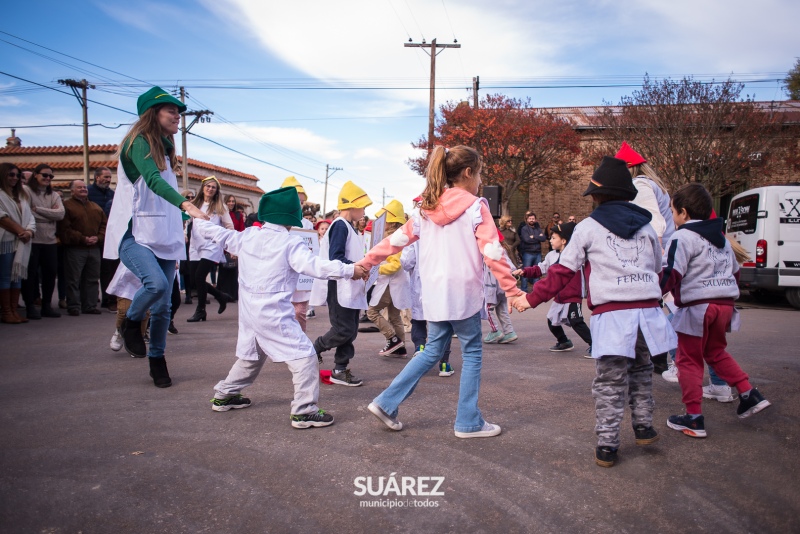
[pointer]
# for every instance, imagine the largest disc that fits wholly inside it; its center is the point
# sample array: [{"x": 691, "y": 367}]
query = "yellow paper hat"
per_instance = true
[
  {"x": 352, "y": 196},
  {"x": 291, "y": 181},
  {"x": 394, "y": 212}
]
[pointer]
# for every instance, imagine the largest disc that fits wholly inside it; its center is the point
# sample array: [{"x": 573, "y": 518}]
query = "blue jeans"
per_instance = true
[
  {"x": 468, "y": 415},
  {"x": 6, "y": 264},
  {"x": 529, "y": 259},
  {"x": 157, "y": 277}
]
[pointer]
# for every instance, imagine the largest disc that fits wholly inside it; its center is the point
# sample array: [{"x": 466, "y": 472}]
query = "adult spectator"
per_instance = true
[
  {"x": 100, "y": 193},
  {"x": 47, "y": 209},
  {"x": 572, "y": 219},
  {"x": 17, "y": 228},
  {"x": 228, "y": 278},
  {"x": 82, "y": 231},
  {"x": 530, "y": 247},
  {"x": 554, "y": 222},
  {"x": 510, "y": 239},
  {"x": 523, "y": 222}
]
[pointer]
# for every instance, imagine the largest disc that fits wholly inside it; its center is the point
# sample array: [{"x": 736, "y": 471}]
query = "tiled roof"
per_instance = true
[
  {"x": 58, "y": 150},
  {"x": 217, "y": 168},
  {"x": 67, "y": 165},
  {"x": 235, "y": 185}
]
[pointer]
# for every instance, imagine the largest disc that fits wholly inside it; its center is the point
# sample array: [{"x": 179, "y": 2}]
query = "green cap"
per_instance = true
[
  {"x": 281, "y": 206},
  {"x": 155, "y": 97}
]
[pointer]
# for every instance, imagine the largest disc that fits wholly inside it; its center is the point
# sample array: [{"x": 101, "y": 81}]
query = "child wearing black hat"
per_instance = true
[
  {"x": 621, "y": 257},
  {"x": 566, "y": 307}
]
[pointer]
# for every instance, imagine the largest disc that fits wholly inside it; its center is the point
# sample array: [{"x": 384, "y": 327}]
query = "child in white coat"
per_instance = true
[
  {"x": 270, "y": 259},
  {"x": 456, "y": 235}
]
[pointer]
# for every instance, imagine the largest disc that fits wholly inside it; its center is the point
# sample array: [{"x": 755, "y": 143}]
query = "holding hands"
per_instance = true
[
  {"x": 518, "y": 272},
  {"x": 360, "y": 272},
  {"x": 520, "y": 303},
  {"x": 193, "y": 211}
]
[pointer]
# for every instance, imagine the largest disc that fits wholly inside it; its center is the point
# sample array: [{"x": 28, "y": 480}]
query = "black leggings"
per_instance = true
[
  {"x": 176, "y": 299},
  {"x": 44, "y": 257},
  {"x": 200, "y": 270},
  {"x": 576, "y": 322}
]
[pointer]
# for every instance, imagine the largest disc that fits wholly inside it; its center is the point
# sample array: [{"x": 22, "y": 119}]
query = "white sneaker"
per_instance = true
[
  {"x": 721, "y": 393},
  {"x": 116, "y": 341},
  {"x": 671, "y": 374},
  {"x": 385, "y": 418},
  {"x": 487, "y": 431}
]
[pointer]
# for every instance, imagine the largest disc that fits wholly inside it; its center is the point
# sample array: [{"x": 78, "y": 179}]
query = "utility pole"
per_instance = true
[
  {"x": 82, "y": 85},
  {"x": 433, "y": 53},
  {"x": 325, "y": 195},
  {"x": 476, "y": 82},
  {"x": 202, "y": 116},
  {"x": 385, "y": 196},
  {"x": 185, "y": 166}
]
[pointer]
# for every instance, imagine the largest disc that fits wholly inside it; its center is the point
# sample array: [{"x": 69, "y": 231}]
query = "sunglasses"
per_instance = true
[
  {"x": 47, "y": 175},
  {"x": 13, "y": 175},
  {"x": 189, "y": 197}
]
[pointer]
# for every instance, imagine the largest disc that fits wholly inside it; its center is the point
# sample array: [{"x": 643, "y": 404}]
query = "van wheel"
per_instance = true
[
  {"x": 763, "y": 296},
  {"x": 793, "y": 296}
]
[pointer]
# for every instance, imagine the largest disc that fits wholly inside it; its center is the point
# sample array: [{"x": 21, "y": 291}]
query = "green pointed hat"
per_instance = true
[
  {"x": 155, "y": 97},
  {"x": 281, "y": 206}
]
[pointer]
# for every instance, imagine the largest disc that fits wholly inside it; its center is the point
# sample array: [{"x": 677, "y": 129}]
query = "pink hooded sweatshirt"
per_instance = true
[{"x": 455, "y": 239}]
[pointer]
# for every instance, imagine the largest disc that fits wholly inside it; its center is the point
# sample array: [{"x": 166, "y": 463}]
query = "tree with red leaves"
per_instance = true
[
  {"x": 520, "y": 145},
  {"x": 693, "y": 131}
]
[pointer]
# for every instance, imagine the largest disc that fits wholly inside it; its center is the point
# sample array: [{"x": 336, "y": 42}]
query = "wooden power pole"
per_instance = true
[
  {"x": 433, "y": 52},
  {"x": 185, "y": 166},
  {"x": 476, "y": 83},
  {"x": 328, "y": 174},
  {"x": 82, "y": 85}
]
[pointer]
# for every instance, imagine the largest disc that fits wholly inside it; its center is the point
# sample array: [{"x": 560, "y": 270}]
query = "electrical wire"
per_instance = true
[{"x": 59, "y": 125}]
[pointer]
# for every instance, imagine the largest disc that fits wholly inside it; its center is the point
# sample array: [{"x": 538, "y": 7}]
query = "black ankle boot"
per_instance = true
[
  {"x": 159, "y": 372},
  {"x": 32, "y": 313},
  {"x": 199, "y": 315},
  {"x": 48, "y": 311},
  {"x": 132, "y": 339}
]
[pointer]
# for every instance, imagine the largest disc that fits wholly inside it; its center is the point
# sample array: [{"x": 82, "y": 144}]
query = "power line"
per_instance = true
[{"x": 59, "y": 125}]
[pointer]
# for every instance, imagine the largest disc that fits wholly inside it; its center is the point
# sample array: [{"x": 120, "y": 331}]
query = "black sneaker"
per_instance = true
[
  {"x": 171, "y": 328},
  {"x": 312, "y": 419},
  {"x": 132, "y": 339},
  {"x": 345, "y": 378},
  {"x": 231, "y": 403},
  {"x": 754, "y": 403},
  {"x": 645, "y": 435},
  {"x": 694, "y": 428},
  {"x": 563, "y": 347},
  {"x": 605, "y": 456},
  {"x": 392, "y": 345}
]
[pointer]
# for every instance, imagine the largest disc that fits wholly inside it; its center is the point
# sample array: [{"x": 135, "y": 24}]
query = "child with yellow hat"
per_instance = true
[
  {"x": 345, "y": 298},
  {"x": 392, "y": 289},
  {"x": 270, "y": 261}
]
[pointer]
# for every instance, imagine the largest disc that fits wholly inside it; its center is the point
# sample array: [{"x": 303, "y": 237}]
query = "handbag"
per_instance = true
[{"x": 229, "y": 262}]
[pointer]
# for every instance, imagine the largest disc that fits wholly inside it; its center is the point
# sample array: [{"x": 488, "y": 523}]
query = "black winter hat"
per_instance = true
[
  {"x": 612, "y": 178},
  {"x": 564, "y": 230}
]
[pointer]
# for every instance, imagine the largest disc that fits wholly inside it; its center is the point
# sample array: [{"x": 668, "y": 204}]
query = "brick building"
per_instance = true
[{"x": 67, "y": 165}]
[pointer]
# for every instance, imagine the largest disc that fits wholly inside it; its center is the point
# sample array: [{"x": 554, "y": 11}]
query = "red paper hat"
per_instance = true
[
  {"x": 629, "y": 155},
  {"x": 417, "y": 199},
  {"x": 368, "y": 228},
  {"x": 325, "y": 376}
]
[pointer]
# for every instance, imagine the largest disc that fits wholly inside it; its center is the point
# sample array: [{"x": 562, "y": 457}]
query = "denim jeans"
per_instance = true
[
  {"x": 468, "y": 415},
  {"x": 529, "y": 259},
  {"x": 157, "y": 277},
  {"x": 6, "y": 265},
  {"x": 419, "y": 337}
]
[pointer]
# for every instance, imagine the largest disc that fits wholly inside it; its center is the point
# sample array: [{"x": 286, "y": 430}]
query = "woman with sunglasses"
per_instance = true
[
  {"x": 17, "y": 227},
  {"x": 145, "y": 230},
  {"x": 204, "y": 254},
  {"x": 47, "y": 210}
]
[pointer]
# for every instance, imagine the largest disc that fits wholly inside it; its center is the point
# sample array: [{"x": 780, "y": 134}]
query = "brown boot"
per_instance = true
[
  {"x": 14, "y": 298},
  {"x": 5, "y": 308}
]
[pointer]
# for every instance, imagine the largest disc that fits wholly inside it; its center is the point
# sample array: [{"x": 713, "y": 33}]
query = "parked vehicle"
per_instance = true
[{"x": 766, "y": 222}]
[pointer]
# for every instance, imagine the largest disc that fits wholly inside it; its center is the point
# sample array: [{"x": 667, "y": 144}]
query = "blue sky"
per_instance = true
[{"x": 216, "y": 48}]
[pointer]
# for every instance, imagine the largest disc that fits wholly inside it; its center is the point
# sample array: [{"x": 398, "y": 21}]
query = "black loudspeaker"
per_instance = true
[{"x": 492, "y": 195}]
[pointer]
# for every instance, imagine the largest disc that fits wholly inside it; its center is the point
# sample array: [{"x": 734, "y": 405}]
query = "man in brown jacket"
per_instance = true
[{"x": 81, "y": 233}]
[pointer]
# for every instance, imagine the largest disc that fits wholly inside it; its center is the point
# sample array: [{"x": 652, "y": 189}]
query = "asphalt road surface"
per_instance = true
[{"x": 89, "y": 445}]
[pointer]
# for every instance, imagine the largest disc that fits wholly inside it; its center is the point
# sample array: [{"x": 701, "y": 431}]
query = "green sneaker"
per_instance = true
[
  {"x": 223, "y": 405},
  {"x": 321, "y": 418},
  {"x": 508, "y": 338},
  {"x": 493, "y": 337},
  {"x": 445, "y": 369}
]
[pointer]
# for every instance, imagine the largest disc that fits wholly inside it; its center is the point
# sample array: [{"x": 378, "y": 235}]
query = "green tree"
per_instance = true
[{"x": 792, "y": 82}]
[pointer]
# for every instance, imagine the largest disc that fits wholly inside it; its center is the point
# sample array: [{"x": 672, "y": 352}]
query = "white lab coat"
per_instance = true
[
  {"x": 399, "y": 286},
  {"x": 303, "y": 296},
  {"x": 350, "y": 293},
  {"x": 409, "y": 261},
  {"x": 270, "y": 259},
  {"x": 201, "y": 248}
]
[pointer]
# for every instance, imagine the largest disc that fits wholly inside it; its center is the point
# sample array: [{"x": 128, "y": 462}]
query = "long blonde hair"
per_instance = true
[
  {"x": 216, "y": 205},
  {"x": 149, "y": 128},
  {"x": 643, "y": 169},
  {"x": 444, "y": 170}
]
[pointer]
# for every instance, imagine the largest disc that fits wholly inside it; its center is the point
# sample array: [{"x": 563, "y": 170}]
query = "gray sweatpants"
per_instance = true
[
  {"x": 616, "y": 377},
  {"x": 305, "y": 377}
]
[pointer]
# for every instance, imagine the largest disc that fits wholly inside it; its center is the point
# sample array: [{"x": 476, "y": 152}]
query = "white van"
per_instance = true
[{"x": 766, "y": 222}]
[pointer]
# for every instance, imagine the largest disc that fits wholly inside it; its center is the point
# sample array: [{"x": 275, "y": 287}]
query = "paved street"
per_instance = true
[{"x": 89, "y": 445}]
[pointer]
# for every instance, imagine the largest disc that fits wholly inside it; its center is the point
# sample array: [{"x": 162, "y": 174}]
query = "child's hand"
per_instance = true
[
  {"x": 520, "y": 303},
  {"x": 360, "y": 272},
  {"x": 518, "y": 272}
]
